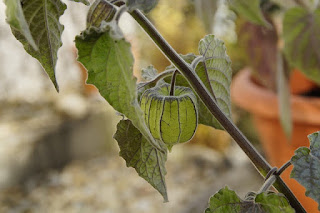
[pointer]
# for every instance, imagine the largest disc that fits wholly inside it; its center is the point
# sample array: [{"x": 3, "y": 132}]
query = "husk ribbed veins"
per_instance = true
[{"x": 172, "y": 119}]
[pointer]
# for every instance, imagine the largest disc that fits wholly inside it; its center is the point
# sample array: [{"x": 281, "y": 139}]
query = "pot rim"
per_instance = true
[{"x": 263, "y": 102}]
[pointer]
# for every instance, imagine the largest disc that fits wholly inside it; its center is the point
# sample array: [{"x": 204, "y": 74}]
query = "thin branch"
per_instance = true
[{"x": 261, "y": 164}]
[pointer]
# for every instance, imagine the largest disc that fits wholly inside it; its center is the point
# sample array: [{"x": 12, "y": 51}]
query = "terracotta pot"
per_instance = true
[
  {"x": 263, "y": 105},
  {"x": 299, "y": 83}
]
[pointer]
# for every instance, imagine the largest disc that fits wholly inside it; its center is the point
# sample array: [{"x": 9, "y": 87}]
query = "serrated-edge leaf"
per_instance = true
[
  {"x": 109, "y": 62},
  {"x": 42, "y": 17},
  {"x": 216, "y": 75},
  {"x": 315, "y": 144},
  {"x": 273, "y": 202},
  {"x": 16, "y": 19},
  {"x": 301, "y": 34},
  {"x": 144, "y": 158},
  {"x": 149, "y": 73},
  {"x": 86, "y": 2},
  {"x": 225, "y": 200},
  {"x": 306, "y": 167},
  {"x": 249, "y": 9}
]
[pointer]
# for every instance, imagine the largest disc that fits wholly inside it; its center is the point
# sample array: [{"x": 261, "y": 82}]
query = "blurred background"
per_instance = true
[{"x": 57, "y": 152}]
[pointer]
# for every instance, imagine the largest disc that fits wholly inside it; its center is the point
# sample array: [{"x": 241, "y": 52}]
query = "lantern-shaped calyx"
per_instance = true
[{"x": 171, "y": 119}]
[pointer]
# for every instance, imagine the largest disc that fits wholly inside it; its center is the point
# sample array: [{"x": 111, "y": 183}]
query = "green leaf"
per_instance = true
[
  {"x": 250, "y": 10},
  {"x": 227, "y": 200},
  {"x": 144, "y": 5},
  {"x": 272, "y": 202},
  {"x": 139, "y": 154},
  {"x": 42, "y": 17},
  {"x": 17, "y": 21},
  {"x": 306, "y": 167},
  {"x": 301, "y": 34},
  {"x": 86, "y": 2},
  {"x": 109, "y": 62},
  {"x": 215, "y": 73},
  {"x": 149, "y": 73}
]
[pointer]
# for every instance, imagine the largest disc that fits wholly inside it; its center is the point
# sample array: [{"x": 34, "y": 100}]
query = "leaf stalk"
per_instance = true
[
  {"x": 173, "y": 82},
  {"x": 196, "y": 61},
  {"x": 284, "y": 167},
  {"x": 267, "y": 184}
]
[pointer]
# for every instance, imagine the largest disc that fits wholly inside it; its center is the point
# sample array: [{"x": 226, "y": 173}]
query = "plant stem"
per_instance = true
[
  {"x": 173, "y": 81},
  {"x": 260, "y": 163}
]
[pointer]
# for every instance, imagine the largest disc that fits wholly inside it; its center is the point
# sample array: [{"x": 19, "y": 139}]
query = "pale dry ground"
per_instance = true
[
  {"x": 106, "y": 185},
  {"x": 50, "y": 133},
  {"x": 33, "y": 115}
]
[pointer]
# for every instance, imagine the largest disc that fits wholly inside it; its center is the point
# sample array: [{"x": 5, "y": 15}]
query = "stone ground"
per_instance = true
[{"x": 104, "y": 184}]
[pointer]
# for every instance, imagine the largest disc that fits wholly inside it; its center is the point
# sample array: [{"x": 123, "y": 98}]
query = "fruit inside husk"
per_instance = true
[{"x": 171, "y": 119}]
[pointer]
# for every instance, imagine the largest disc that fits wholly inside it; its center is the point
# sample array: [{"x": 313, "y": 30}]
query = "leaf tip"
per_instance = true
[
  {"x": 165, "y": 197},
  {"x": 56, "y": 85}
]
